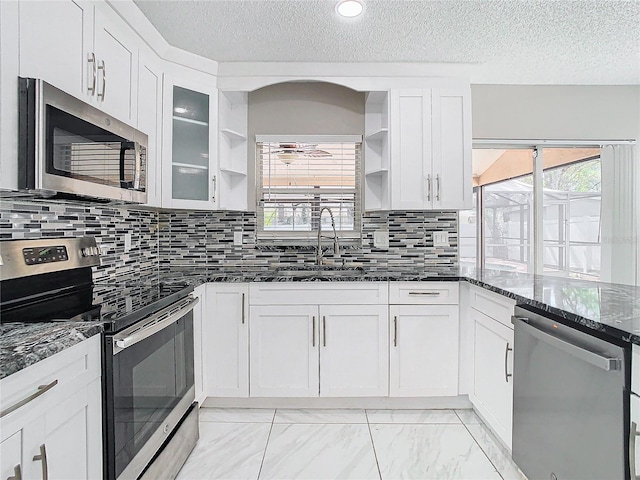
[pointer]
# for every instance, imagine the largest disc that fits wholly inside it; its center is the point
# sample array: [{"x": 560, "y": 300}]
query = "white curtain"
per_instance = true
[{"x": 620, "y": 214}]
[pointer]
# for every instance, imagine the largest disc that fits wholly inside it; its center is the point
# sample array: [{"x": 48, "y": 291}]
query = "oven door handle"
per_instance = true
[{"x": 153, "y": 324}]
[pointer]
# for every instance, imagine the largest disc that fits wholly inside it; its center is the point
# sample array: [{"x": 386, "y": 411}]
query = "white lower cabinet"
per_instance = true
[
  {"x": 634, "y": 432},
  {"x": 226, "y": 340},
  {"x": 57, "y": 434},
  {"x": 198, "y": 336},
  {"x": 11, "y": 456},
  {"x": 311, "y": 350},
  {"x": 423, "y": 350},
  {"x": 492, "y": 391},
  {"x": 354, "y": 353},
  {"x": 284, "y": 351}
]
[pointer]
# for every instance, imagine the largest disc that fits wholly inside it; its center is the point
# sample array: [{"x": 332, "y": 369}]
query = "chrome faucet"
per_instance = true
[{"x": 336, "y": 247}]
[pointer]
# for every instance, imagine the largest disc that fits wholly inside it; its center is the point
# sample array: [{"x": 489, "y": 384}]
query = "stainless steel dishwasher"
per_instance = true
[{"x": 569, "y": 391}]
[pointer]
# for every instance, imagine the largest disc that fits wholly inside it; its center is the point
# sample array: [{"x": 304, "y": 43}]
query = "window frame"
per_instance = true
[
  {"x": 538, "y": 171},
  {"x": 309, "y": 237}
]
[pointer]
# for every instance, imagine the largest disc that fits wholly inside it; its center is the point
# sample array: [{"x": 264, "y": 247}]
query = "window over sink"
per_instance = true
[{"x": 297, "y": 176}]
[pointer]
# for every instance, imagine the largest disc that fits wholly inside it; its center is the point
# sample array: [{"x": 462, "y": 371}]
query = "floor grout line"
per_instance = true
[
  {"x": 373, "y": 445},
  {"x": 480, "y": 446},
  {"x": 266, "y": 445}
]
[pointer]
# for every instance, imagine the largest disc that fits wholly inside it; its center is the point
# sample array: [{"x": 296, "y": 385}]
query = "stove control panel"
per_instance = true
[
  {"x": 49, "y": 254},
  {"x": 25, "y": 257}
]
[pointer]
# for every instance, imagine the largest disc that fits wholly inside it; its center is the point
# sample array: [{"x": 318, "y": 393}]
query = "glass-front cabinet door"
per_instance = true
[{"x": 190, "y": 173}]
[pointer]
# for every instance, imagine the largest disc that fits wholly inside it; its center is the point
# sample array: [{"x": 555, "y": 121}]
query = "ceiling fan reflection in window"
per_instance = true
[{"x": 288, "y": 152}]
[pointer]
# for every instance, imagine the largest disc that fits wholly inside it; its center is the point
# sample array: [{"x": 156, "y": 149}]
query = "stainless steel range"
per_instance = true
[{"x": 150, "y": 417}]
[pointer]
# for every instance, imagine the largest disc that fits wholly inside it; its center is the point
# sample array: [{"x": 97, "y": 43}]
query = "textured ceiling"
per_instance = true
[{"x": 511, "y": 41}]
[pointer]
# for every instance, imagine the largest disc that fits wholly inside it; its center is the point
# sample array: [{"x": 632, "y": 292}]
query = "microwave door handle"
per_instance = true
[
  {"x": 138, "y": 172},
  {"x": 124, "y": 146}
]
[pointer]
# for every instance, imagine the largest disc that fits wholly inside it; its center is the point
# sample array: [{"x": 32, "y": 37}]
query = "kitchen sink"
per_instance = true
[{"x": 320, "y": 271}]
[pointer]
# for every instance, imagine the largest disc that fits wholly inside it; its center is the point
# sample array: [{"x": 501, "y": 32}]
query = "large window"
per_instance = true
[
  {"x": 298, "y": 177},
  {"x": 570, "y": 205}
]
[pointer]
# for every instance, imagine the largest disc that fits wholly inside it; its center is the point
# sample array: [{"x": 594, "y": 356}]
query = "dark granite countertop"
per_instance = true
[
  {"x": 23, "y": 344},
  {"x": 611, "y": 309}
]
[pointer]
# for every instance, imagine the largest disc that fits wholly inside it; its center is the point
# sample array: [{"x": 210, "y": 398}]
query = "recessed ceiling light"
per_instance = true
[{"x": 349, "y": 8}]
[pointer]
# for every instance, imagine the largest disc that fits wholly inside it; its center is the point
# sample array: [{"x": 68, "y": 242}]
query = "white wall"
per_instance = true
[
  {"x": 571, "y": 112},
  {"x": 302, "y": 108}
]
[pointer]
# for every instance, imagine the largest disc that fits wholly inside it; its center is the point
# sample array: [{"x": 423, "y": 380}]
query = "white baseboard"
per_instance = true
[{"x": 460, "y": 401}]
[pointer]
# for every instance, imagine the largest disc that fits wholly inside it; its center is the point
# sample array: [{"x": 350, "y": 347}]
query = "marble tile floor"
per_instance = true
[{"x": 323, "y": 444}]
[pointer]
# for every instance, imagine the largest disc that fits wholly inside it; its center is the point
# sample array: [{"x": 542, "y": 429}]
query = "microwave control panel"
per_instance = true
[{"x": 39, "y": 255}]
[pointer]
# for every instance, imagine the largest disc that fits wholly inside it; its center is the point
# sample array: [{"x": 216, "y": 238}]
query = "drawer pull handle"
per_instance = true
[
  {"x": 43, "y": 458},
  {"x": 506, "y": 355},
  {"x": 430, "y": 294},
  {"x": 41, "y": 390},
  {"x": 17, "y": 473}
]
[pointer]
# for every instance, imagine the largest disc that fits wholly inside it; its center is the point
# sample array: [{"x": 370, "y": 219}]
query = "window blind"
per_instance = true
[{"x": 296, "y": 180}]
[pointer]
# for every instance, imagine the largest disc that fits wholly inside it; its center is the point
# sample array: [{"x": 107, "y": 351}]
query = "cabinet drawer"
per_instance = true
[
  {"x": 331, "y": 293},
  {"x": 64, "y": 372},
  {"x": 423, "y": 293},
  {"x": 493, "y": 305}
]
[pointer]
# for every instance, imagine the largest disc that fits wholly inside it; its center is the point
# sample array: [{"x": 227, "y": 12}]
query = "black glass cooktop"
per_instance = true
[
  {"x": 123, "y": 304},
  {"x": 71, "y": 296}
]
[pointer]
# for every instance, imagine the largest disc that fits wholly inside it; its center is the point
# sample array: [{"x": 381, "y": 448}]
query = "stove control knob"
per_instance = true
[{"x": 84, "y": 252}]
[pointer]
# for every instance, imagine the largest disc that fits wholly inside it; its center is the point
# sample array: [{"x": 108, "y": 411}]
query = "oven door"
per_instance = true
[{"x": 149, "y": 385}]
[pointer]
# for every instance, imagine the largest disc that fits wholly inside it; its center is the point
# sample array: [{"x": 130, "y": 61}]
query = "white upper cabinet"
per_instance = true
[
  {"x": 430, "y": 163},
  {"x": 63, "y": 62},
  {"x": 116, "y": 50},
  {"x": 451, "y": 152},
  {"x": 150, "y": 121},
  {"x": 190, "y": 170},
  {"x": 93, "y": 57},
  {"x": 232, "y": 150},
  {"x": 411, "y": 161}
]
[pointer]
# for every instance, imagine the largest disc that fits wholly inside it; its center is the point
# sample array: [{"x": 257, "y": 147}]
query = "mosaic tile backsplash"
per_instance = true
[
  {"x": 40, "y": 219},
  {"x": 205, "y": 239},
  {"x": 174, "y": 240}
]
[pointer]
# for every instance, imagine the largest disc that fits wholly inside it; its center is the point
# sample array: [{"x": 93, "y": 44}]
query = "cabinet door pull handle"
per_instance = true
[
  {"x": 243, "y": 308},
  {"x": 633, "y": 435},
  {"x": 395, "y": 331},
  {"x": 17, "y": 473},
  {"x": 506, "y": 354},
  {"x": 215, "y": 185},
  {"x": 313, "y": 331},
  {"x": 43, "y": 458},
  {"x": 428, "y": 188},
  {"x": 92, "y": 60},
  {"x": 430, "y": 294},
  {"x": 437, "y": 187},
  {"x": 41, "y": 389},
  {"x": 104, "y": 79},
  {"x": 324, "y": 331}
]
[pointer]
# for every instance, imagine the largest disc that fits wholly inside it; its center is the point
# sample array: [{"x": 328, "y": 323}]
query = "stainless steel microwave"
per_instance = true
[{"x": 67, "y": 146}]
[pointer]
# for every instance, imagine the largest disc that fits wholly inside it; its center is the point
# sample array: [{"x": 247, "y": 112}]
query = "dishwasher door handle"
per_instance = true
[{"x": 593, "y": 358}]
